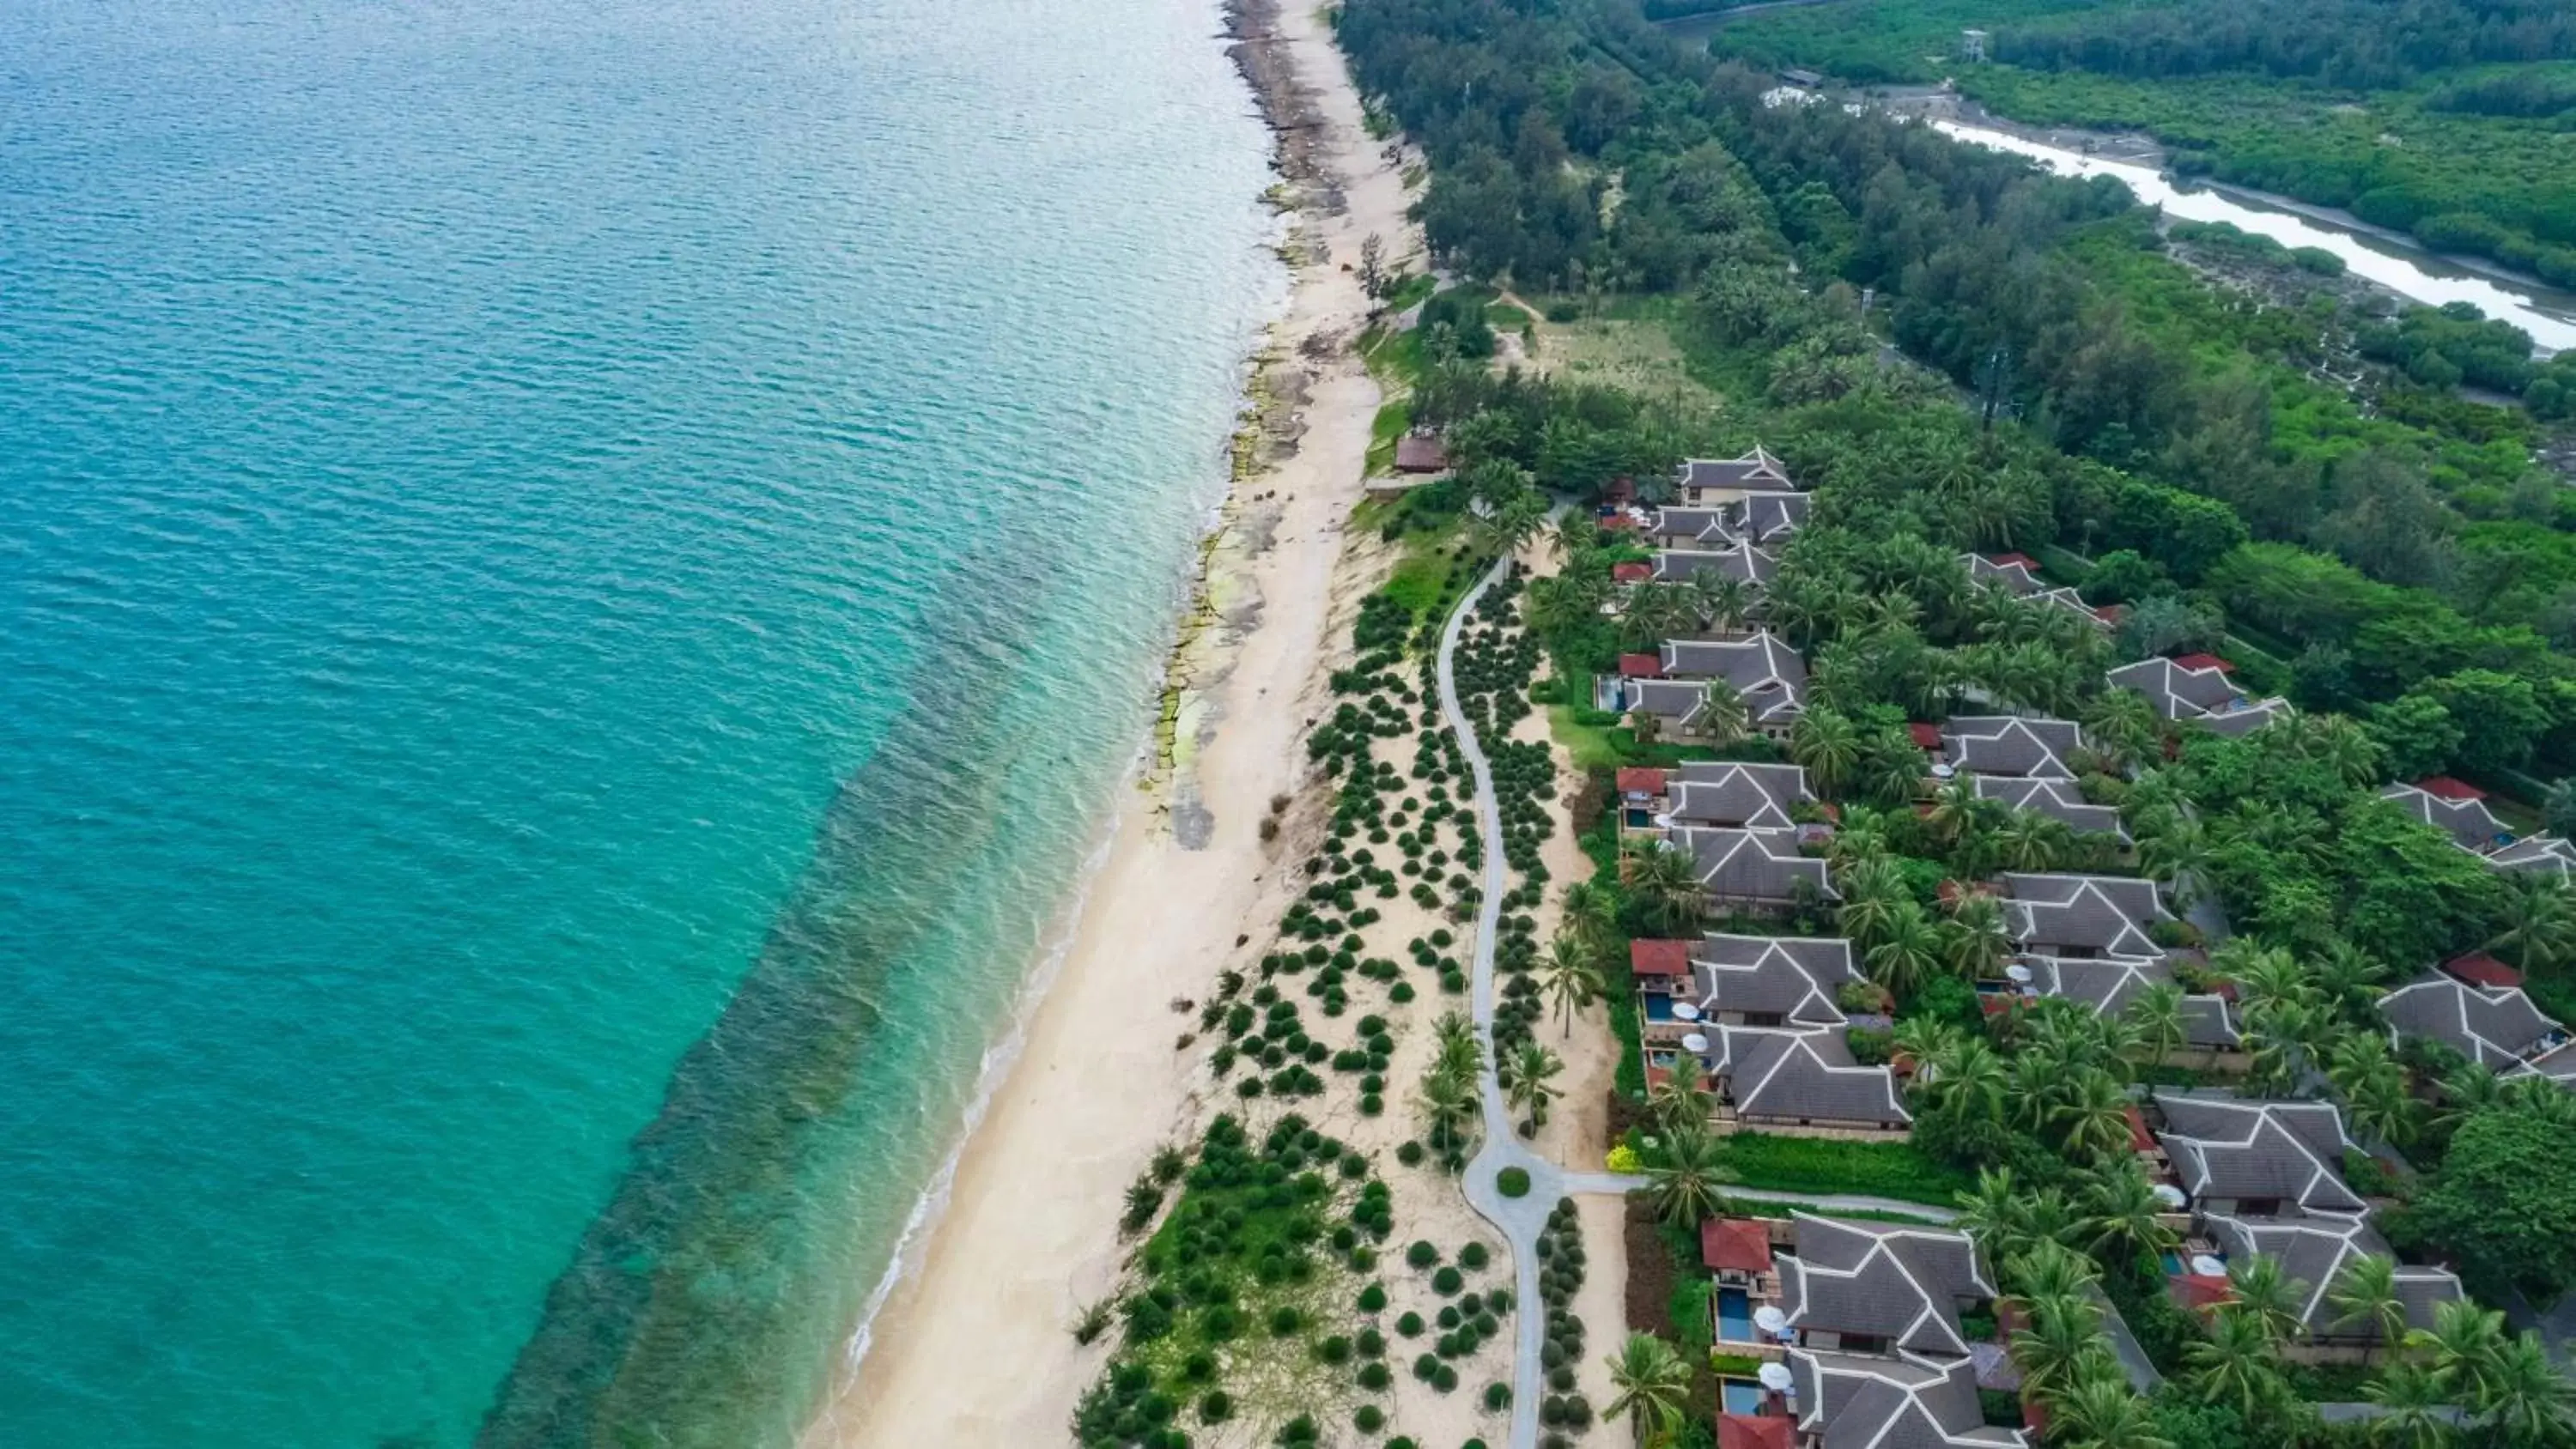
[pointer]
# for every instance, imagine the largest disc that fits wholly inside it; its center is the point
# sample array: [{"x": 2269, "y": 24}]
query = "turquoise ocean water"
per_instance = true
[{"x": 576, "y": 577}]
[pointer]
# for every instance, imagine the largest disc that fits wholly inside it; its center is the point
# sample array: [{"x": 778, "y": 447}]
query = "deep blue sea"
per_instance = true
[{"x": 576, "y": 579}]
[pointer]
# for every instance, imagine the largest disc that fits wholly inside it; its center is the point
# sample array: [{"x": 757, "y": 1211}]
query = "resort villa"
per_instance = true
[
  {"x": 1672, "y": 685},
  {"x": 2195, "y": 687},
  {"x": 1755, "y": 517},
  {"x": 1740, "y": 561},
  {"x": 1714, "y": 482},
  {"x": 1761, "y": 1017},
  {"x": 2240, "y": 1157},
  {"x": 2084, "y": 916},
  {"x": 1760, "y": 871},
  {"x": 2109, "y": 984},
  {"x": 2017, "y": 574},
  {"x": 2495, "y": 1026},
  {"x": 2012, "y": 746},
  {"x": 2459, "y": 810}
]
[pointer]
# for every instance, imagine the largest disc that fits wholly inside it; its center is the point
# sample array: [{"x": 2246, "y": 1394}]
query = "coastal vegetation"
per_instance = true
[
  {"x": 2438, "y": 117},
  {"x": 2150, "y": 442}
]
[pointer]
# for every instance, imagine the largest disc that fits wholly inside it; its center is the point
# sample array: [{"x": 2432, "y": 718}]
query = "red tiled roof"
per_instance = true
[
  {"x": 1638, "y": 780},
  {"x": 1631, "y": 573},
  {"x": 1641, "y": 666},
  {"x": 1621, "y": 490},
  {"x": 1619, "y": 522},
  {"x": 2443, "y": 787},
  {"x": 2204, "y": 661},
  {"x": 1659, "y": 958},
  {"x": 1926, "y": 736},
  {"x": 2111, "y": 613},
  {"x": 1756, "y": 1431},
  {"x": 2480, "y": 969},
  {"x": 2001, "y": 560},
  {"x": 2199, "y": 1290},
  {"x": 1737, "y": 1243},
  {"x": 2140, "y": 1139}
]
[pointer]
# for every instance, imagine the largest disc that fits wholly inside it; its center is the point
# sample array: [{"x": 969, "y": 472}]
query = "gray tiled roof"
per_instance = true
[
  {"x": 2060, "y": 915},
  {"x": 2229, "y": 1147},
  {"x": 1903, "y": 1284},
  {"x": 1729, "y": 792},
  {"x": 2012, "y": 575},
  {"x": 2202, "y": 695},
  {"x": 2542, "y": 854},
  {"x": 2011, "y": 745},
  {"x": 1803, "y": 1076},
  {"x": 1757, "y": 469},
  {"x": 2109, "y": 983},
  {"x": 1850, "y": 1402},
  {"x": 2495, "y": 1027},
  {"x": 1691, "y": 528},
  {"x": 1793, "y": 976},
  {"x": 2314, "y": 1253},
  {"x": 1741, "y": 562},
  {"x": 2058, "y": 799},
  {"x": 1751, "y": 865},
  {"x": 2469, "y": 823},
  {"x": 1762, "y": 517},
  {"x": 1764, "y": 669}
]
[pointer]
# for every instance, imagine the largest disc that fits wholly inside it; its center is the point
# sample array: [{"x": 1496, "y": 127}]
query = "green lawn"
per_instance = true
[{"x": 1816, "y": 1165}]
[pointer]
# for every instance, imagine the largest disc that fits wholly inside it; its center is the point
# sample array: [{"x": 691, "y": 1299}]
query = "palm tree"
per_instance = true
[
  {"x": 2094, "y": 1117},
  {"x": 1665, "y": 880},
  {"x": 2473, "y": 1088},
  {"x": 2349, "y": 978},
  {"x": 1568, "y": 977},
  {"x": 2030, "y": 841},
  {"x": 1530, "y": 1086},
  {"x": 1681, "y": 1101},
  {"x": 2276, "y": 1039},
  {"x": 1508, "y": 525},
  {"x": 2050, "y": 1269},
  {"x": 2122, "y": 726},
  {"x": 2264, "y": 975},
  {"x": 2365, "y": 1292},
  {"x": 1965, "y": 1083},
  {"x": 2178, "y": 848},
  {"x": 1827, "y": 745},
  {"x": 1976, "y": 938},
  {"x": 1592, "y": 913},
  {"x": 2101, "y": 1411},
  {"x": 2539, "y": 924},
  {"x": 2122, "y": 1217},
  {"x": 1954, "y": 804},
  {"x": 1656, "y": 612},
  {"x": 1908, "y": 952},
  {"x": 1724, "y": 601},
  {"x": 2414, "y": 1410},
  {"x": 2523, "y": 1401},
  {"x": 2355, "y": 1060},
  {"x": 1449, "y": 1108},
  {"x": 1653, "y": 1384},
  {"x": 2063, "y": 1341},
  {"x": 2155, "y": 1014},
  {"x": 1723, "y": 715},
  {"x": 1993, "y": 1216},
  {"x": 2264, "y": 1293},
  {"x": 1575, "y": 536},
  {"x": 1686, "y": 1187},
  {"x": 1873, "y": 892},
  {"x": 2234, "y": 1365},
  {"x": 2383, "y": 1108},
  {"x": 2462, "y": 1346}
]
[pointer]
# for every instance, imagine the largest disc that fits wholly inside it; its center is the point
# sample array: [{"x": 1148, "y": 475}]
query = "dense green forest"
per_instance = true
[
  {"x": 2406, "y": 560},
  {"x": 2446, "y": 118}
]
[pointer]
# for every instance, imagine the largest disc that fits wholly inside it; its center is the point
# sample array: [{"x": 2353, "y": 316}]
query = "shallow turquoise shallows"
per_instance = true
[{"x": 576, "y": 580}]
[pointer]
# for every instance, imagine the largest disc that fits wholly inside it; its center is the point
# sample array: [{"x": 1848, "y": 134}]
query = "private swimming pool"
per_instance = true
[
  {"x": 1734, "y": 1316},
  {"x": 1740, "y": 1396}
]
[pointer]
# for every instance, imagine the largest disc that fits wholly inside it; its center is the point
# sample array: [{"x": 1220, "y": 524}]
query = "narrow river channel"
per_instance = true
[{"x": 2548, "y": 315}]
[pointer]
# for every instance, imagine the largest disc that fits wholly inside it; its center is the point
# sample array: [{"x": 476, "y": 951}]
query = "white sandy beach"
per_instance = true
[{"x": 973, "y": 1345}]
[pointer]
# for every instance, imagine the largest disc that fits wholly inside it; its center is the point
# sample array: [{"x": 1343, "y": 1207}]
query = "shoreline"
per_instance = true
[{"x": 1018, "y": 1230}]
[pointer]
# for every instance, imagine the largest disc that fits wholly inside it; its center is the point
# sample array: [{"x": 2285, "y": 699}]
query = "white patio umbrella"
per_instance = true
[
  {"x": 1775, "y": 1377},
  {"x": 1694, "y": 1043}
]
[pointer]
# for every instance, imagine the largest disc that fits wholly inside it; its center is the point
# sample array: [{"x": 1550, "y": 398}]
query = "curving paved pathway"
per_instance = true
[{"x": 1521, "y": 1219}]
